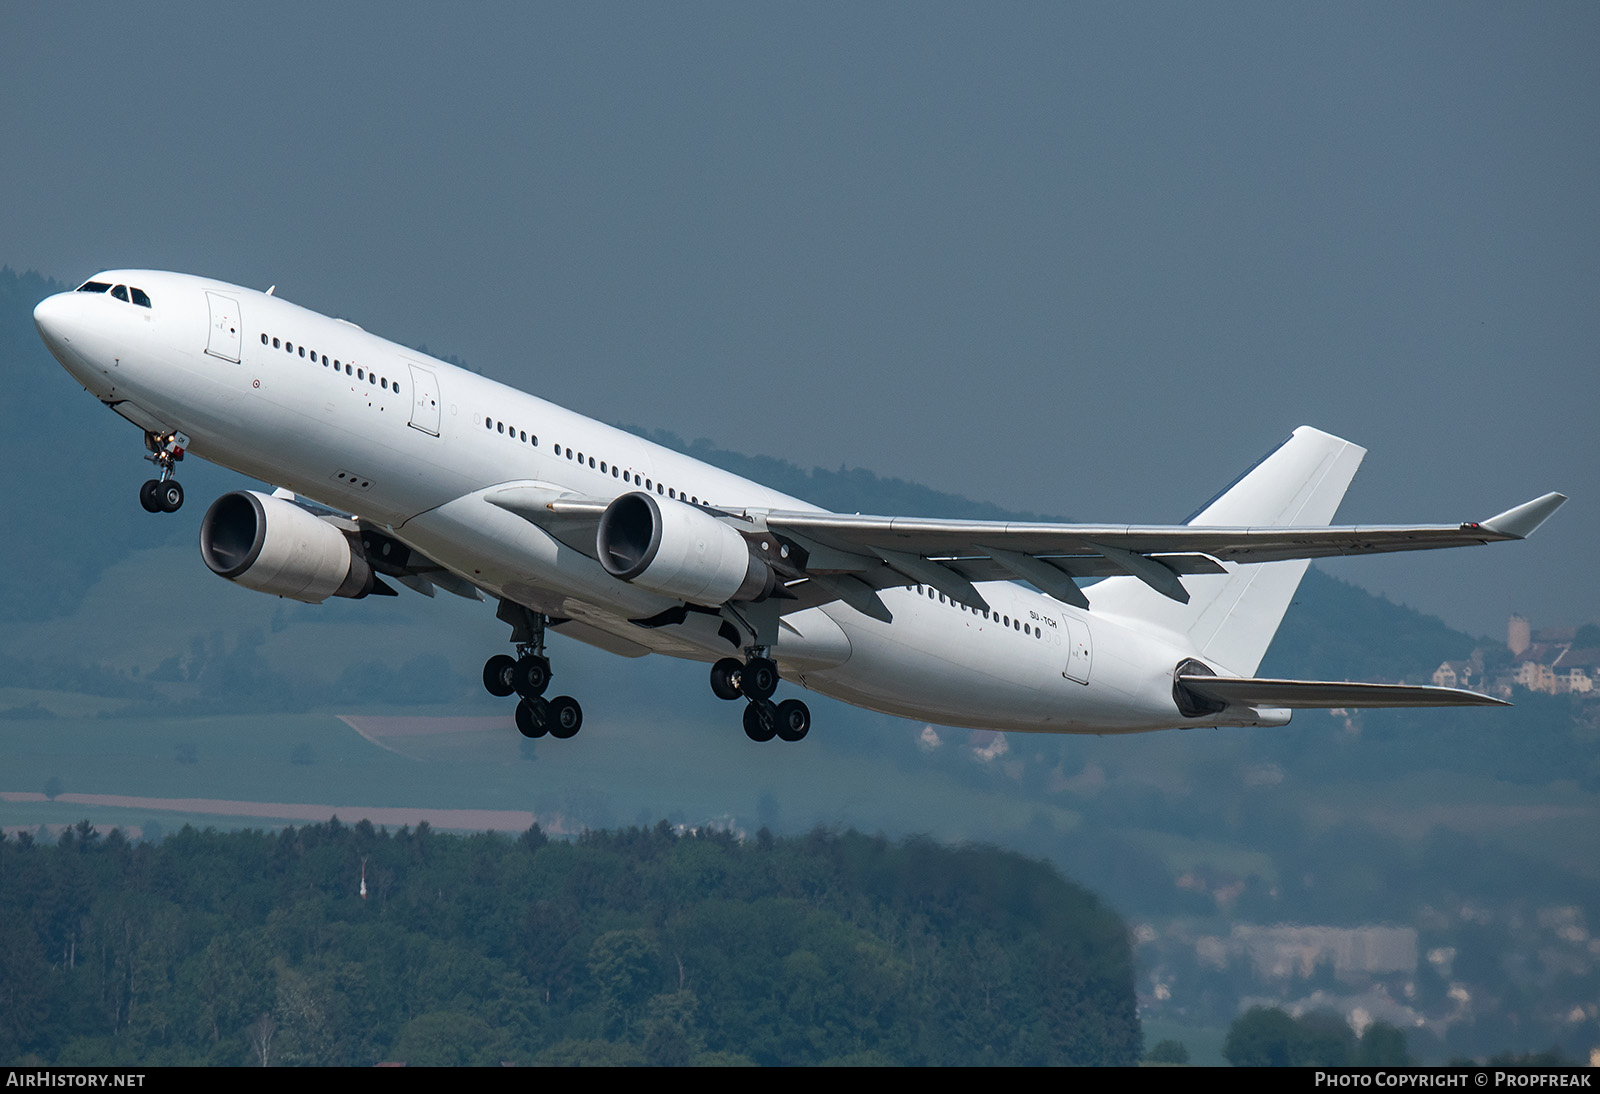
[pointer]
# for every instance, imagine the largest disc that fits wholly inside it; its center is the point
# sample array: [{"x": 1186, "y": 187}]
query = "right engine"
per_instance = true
[{"x": 276, "y": 547}]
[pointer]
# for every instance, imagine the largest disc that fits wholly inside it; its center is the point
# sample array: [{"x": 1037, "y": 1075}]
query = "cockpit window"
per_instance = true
[
  {"x": 139, "y": 297},
  {"x": 121, "y": 293},
  {"x": 93, "y": 286}
]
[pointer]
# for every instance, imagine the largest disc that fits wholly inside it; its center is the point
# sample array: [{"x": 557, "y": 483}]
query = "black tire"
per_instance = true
[
  {"x": 531, "y": 676},
  {"x": 533, "y": 718},
  {"x": 566, "y": 717},
  {"x": 170, "y": 495},
  {"x": 725, "y": 678},
  {"x": 761, "y": 720},
  {"x": 794, "y": 720},
  {"x": 148, "y": 498},
  {"x": 759, "y": 678},
  {"x": 497, "y": 675}
]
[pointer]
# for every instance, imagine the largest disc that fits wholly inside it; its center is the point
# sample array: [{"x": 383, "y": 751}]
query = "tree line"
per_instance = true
[{"x": 352, "y": 945}]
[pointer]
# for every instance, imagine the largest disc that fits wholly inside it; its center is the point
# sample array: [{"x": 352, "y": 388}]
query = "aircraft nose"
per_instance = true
[{"x": 53, "y": 322}]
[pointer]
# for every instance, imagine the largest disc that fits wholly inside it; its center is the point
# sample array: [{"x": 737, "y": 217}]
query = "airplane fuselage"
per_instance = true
[{"x": 412, "y": 444}]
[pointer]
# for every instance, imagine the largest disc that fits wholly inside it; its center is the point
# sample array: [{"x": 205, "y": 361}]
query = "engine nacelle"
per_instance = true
[
  {"x": 274, "y": 546},
  {"x": 679, "y": 551}
]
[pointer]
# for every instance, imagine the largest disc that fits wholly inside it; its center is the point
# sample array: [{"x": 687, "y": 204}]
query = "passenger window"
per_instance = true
[
  {"x": 121, "y": 293},
  {"x": 302, "y": 351},
  {"x": 263, "y": 338},
  {"x": 288, "y": 347},
  {"x": 275, "y": 344}
]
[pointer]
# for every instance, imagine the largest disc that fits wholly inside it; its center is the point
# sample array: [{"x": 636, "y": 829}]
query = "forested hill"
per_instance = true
[{"x": 639, "y": 946}]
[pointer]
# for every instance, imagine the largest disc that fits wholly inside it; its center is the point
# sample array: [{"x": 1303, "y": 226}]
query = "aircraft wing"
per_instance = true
[
  {"x": 950, "y": 554},
  {"x": 850, "y": 556}
]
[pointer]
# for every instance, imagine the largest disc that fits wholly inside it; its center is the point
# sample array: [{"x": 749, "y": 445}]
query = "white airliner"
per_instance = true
[{"x": 390, "y": 464}]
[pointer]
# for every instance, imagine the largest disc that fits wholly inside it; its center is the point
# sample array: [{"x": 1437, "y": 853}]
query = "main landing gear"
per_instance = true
[
  {"x": 163, "y": 494},
  {"x": 527, "y": 675},
  {"x": 756, "y": 679}
]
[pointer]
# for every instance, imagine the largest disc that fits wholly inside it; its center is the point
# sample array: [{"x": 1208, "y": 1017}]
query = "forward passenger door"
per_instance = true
[{"x": 424, "y": 399}]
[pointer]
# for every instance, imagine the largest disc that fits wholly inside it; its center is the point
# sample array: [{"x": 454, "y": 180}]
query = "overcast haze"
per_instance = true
[{"x": 1088, "y": 260}]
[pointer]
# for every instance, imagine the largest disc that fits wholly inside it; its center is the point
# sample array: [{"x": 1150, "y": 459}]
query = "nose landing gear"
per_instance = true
[
  {"x": 756, "y": 679},
  {"x": 163, "y": 494}
]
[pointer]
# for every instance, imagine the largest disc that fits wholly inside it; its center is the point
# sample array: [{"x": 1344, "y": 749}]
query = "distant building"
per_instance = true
[
  {"x": 1286, "y": 953},
  {"x": 1534, "y": 671},
  {"x": 1578, "y": 670},
  {"x": 1545, "y": 660},
  {"x": 1518, "y": 635}
]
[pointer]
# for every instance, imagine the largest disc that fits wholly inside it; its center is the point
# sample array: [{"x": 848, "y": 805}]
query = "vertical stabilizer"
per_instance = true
[{"x": 1230, "y": 618}]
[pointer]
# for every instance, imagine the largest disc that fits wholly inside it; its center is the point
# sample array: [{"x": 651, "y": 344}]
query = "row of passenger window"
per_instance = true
[
  {"x": 601, "y": 466},
  {"x": 125, "y": 293},
  {"x": 346, "y": 367},
  {"x": 994, "y": 617}
]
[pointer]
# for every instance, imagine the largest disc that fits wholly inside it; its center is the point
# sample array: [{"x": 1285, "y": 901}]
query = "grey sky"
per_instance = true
[{"x": 1085, "y": 259}]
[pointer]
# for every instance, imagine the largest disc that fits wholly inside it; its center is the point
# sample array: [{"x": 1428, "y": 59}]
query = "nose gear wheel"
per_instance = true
[{"x": 163, "y": 494}]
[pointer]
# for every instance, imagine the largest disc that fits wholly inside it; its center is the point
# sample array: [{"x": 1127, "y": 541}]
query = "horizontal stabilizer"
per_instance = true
[{"x": 1302, "y": 694}]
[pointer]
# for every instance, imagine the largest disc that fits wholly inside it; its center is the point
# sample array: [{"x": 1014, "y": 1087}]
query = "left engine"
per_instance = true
[
  {"x": 679, "y": 551},
  {"x": 276, "y": 547}
]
